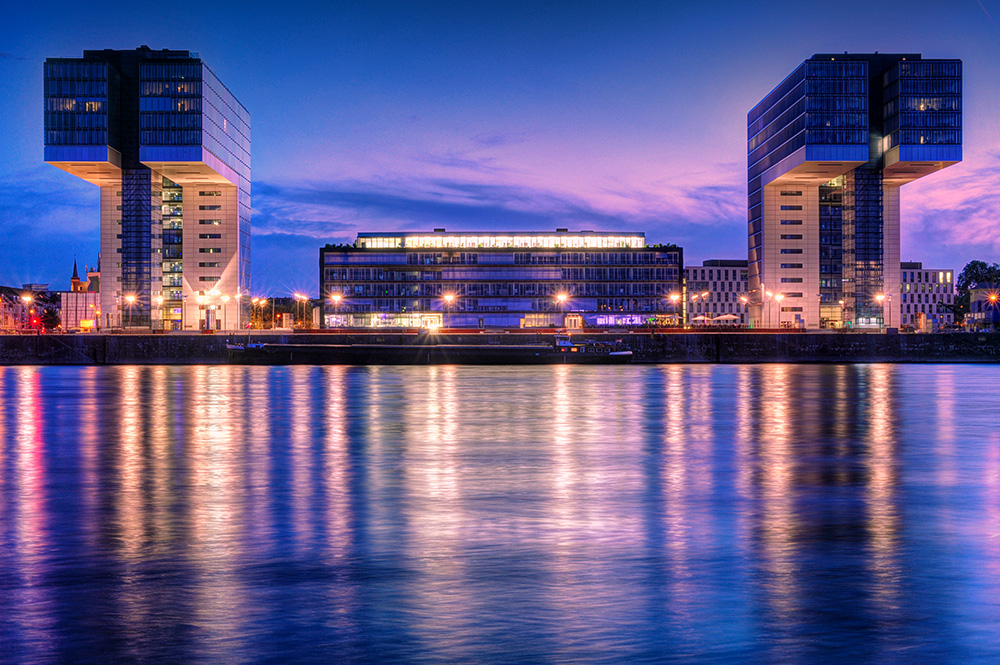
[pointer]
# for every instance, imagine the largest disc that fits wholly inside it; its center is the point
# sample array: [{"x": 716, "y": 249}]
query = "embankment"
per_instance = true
[{"x": 187, "y": 349}]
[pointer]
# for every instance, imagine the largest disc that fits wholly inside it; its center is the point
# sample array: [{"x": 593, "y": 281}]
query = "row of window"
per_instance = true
[
  {"x": 505, "y": 289},
  {"x": 170, "y": 104},
  {"x": 67, "y": 88},
  {"x": 170, "y": 137},
  {"x": 57, "y": 120},
  {"x": 503, "y": 274},
  {"x": 172, "y": 121}
]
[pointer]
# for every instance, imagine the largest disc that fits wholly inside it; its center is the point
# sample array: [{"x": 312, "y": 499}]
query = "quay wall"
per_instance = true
[{"x": 736, "y": 347}]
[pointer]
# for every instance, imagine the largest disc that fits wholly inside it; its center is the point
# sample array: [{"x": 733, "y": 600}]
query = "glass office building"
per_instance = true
[
  {"x": 827, "y": 152},
  {"x": 505, "y": 280},
  {"x": 169, "y": 146}
]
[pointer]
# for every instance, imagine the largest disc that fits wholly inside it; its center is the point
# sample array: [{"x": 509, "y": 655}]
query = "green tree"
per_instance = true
[{"x": 974, "y": 274}]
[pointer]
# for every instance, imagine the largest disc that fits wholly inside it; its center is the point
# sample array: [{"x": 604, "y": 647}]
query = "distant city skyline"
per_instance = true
[{"x": 397, "y": 116}]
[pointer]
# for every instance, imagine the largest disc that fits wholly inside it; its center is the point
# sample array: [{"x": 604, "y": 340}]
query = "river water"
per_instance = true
[{"x": 563, "y": 514}]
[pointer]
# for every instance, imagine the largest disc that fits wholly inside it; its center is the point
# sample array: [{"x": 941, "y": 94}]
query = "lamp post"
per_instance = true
[
  {"x": 159, "y": 304},
  {"x": 562, "y": 300},
  {"x": 27, "y": 299},
  {"x": 239, "y": 310},
  {"x": 336, "y": 298},
  {"x": 746, "y": 304},
  {"x": 130, "y": 299},
  {"x": 674, "y": 297},
  {"x": 225, "y": 303},
  {"x": 253, "y": 303},
  {"x": 448, "y": 299},
  {"x": 703, "y": 295},
  {"x": 881, "y": 301},
  {"x": 97, "y": 315},
  {"x": 779, "y": 297},
  {"x": 201, "y": 304}
]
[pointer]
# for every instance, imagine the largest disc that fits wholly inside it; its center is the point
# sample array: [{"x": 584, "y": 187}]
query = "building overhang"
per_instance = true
[
  {"x": 99, "y": 165},
  {"x": 906, "y": 163},
  {"x": 813, "y": 165},
  {"x": 188, "y": 165}
]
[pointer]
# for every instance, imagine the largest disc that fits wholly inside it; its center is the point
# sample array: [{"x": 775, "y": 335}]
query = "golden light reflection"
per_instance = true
[
  {"x": 218, "y": 525},
  {"x": 89, "y": 436},
  {"x": 562, "y": 416},
  {"x": 883, "y": 519},
  {"x": 776, "y": 471},
  {"x": 29, "y": 514},
  {"x": 302, "y": 464},
  {"x": 743, "y": 450},
  {"x": 255, "y": 389},
  {"x": 336, "y": 487},
  {"x": 946, "y": 453}
]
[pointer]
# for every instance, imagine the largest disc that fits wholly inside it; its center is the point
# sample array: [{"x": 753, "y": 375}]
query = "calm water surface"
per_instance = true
[{"x": 709, "y": 514}]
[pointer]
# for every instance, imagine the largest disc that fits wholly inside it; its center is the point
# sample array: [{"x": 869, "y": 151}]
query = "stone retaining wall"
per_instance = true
[{"x": 186, "y": 349}]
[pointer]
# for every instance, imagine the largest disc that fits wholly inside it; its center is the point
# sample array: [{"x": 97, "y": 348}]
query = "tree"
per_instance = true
[
  {"x": 974, "y": 274},
  {"x": 977, "y": 272}
]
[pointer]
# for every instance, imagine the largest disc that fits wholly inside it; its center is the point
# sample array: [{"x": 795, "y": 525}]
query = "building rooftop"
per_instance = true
[{"x": 442, "y": 239}]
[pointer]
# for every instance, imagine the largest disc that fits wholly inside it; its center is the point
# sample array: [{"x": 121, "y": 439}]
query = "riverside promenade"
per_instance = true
[{"x": 647, "y": 347}]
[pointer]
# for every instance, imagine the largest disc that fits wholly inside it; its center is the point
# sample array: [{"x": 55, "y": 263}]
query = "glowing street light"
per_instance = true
[
  {"x": 674, "y": 298},
  {"x": 27, "y": 299},
  {"x": 336, "y": 298},
  {"x": 449, "y": 298},
  {"x": 130, "y": 299},
  {"x": 881, "y": 301},
  {"x": 703, "y": 295},
  {"x": 779, "y": 297},
  {"x": 225, "y": 304},
  {"x": 561, "y": 297}
]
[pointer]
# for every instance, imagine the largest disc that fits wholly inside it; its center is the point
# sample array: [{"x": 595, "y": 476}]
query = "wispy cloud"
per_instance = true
[
  {"x": 462, "y": 161},
  {"x": 706, "y": 219},
  {"x": 497, "y": 139},
  {"x": 957, "y": 210},
  {"x": 45, "y": 219}
]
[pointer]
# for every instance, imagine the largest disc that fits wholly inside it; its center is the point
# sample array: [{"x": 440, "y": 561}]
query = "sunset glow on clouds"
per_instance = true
[{"x": 516, "y": 116}]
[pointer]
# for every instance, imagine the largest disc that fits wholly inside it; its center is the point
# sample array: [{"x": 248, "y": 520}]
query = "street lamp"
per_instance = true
[
  {"x": 97, "y": 315},
  {"x": 130, "y": 299},
  {"x": 448, "y": 299},
  {"x": 674, "y": 297},
  {"x": 779, "y": 297},
  {"x": 562, "y": 300},
  {"x": 336, "y": 298},
  {"x": 881, "y": 301},
  {"x": 703, "y": 295},
  {"x": 225, "y": 303},
  {"x": 159, "y": 304},
  {"x": 239, "y": 311},
  {"x": 27, "y": 308}
]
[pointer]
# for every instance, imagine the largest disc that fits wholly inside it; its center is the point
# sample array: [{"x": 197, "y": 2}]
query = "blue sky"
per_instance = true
[{"x": 410, "y": 116}]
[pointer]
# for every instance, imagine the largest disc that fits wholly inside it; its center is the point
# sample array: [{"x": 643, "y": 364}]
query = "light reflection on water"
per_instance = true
[{"x": 778, "y": 513}]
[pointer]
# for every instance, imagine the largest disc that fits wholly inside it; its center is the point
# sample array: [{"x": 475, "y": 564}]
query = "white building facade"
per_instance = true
[{"x": 716, "y": 293}]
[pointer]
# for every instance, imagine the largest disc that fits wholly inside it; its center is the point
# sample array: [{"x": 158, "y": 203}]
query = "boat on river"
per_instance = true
[{"x": 563, "y": 350}]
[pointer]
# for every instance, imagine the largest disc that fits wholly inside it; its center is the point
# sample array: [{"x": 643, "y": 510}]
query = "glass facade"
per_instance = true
[
  {"x": 848, "y": 130},
  {"x": 511, "y": 280},
  {"x": 157, "y": 122}
]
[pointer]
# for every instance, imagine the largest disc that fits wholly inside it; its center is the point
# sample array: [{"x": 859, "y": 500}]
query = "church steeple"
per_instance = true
[{"x": 74, "y": 282}]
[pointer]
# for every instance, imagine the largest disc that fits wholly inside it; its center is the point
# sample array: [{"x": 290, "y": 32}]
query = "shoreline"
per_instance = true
[{"x": 647, "y": 347}]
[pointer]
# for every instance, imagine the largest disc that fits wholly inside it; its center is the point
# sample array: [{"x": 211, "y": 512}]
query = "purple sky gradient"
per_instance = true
[{"x": 393, "y": 116}]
